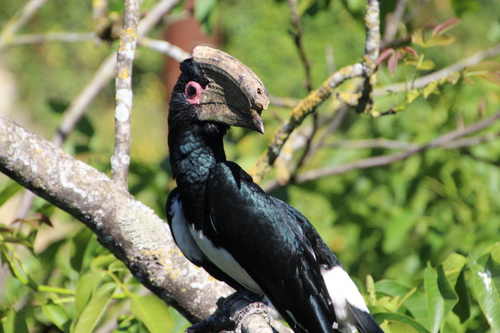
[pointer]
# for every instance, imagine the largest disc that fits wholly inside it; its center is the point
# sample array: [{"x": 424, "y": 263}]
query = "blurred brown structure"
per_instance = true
[{"x": 186, "y": 34}]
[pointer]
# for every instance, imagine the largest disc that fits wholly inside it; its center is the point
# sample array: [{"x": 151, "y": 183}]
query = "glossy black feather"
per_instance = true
[
  {"x": 191, "y": 250},
  {"x": 275, "y": 244}
]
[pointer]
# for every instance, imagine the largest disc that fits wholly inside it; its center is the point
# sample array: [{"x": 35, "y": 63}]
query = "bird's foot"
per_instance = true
[{"x": 241, "y": 312}]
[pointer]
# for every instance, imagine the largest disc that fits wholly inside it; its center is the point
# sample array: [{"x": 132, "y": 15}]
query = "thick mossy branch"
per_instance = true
[{"x": 129, "y": 229}]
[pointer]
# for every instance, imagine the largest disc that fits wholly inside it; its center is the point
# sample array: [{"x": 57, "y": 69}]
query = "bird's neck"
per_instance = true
[{"x": 194, "y": 152}]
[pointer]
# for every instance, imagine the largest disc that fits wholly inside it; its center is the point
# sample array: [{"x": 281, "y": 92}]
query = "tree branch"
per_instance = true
[
  {"x": 316, "y": 97},
  {"x": 126, "y": 227},
  {"x": 123, "y": 99},
  {"x": 165, "y": 47},
  {"x": 17, "y": 21},
  {"x": 440, "y": 74},
  {"x": 67, "y": 37},
  {"x": 130, "y": 230},
  {"x": 102, "y": 76},
  {"x": 443, "y": 140}
]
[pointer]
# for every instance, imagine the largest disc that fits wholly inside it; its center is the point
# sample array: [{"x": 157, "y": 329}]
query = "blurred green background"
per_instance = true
[{"x": 397, "y": 223}]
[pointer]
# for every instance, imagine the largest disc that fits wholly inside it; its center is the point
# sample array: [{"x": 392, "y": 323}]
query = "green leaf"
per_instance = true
[
  {"x": 58, "y": 105},
  {"x": 399, "y": 323},
  {"x": 440, "y": 40},
  {"x": 14, "y": 322},
  {"x": 103, "y": 261},
  {"x": 426, "y": 65},
  {"x": 430, "y": 88},
  {"x": 415, "y": 302},
  {"x": 202, "y": 11},
  {"x": 57, "y": 315},
  {"x": 462, "y": 309},
  {"x": 95, "y": 309},
  {"x": 486, "y": 282},
  {"x": 418, "y": 37},
  {"x": 9, "y": 191},
  {"x": 441, "y": 298},
  {"x": 79, "y": 244},
  {"x": 85, "y": 127},
  {"x": 462, "y": 6},
  {"x": 84, "y": 290},
  {"x": 153, "y": 312},
  {"x": 396, "y": 231},
  {"x": 454, "y": 268},
  {"x": 397, "y": 327}
]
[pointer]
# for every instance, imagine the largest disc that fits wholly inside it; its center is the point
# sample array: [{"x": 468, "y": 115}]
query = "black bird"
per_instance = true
[{"x": 224, "y": 222}]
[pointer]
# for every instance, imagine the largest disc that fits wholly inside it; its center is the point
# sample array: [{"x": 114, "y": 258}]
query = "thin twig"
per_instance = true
[
  {"x": 165, "y": 47},
  {"x": 371, "y": 162},
  {"x": 123, "y": 106},
  {"x": 66, "y": 37},
  {"x": 440, "y": 74},
  {"x": 316, "y": 97},
  {"x": 18, "y": 20},
  {"x": 102, "y": 76},
  {"x": 297, "y": 38},
  {"x": 392, "y": 22}
]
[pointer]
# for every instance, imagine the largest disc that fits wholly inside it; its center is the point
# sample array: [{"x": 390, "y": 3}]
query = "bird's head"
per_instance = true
[{"x": 216, "y": 88}]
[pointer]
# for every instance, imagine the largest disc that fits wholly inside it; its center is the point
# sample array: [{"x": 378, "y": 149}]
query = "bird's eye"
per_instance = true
[{"x": 191, "y": 90}]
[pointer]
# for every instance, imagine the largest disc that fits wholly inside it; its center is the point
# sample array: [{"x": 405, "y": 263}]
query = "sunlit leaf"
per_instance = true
[
  {"x": 485, "y": 66},
  {"x": 8, "y": 191},
  {"x": 440, "y": 296},
  {"x": 153, "y": 312},
  {"x": 411, "y": 299},
  {"x": 85, "y": 288},
  {"x": 401, "y": 323},
  {"x": 493, "y": 77},
  {"x": 412, "y": 95},
  {"x": 440, "y": 40},
  {"x": 14, "y": 322},
  {"x": 486, "y": 282},
  {"x": 95, "y": 309},
  {"x": 426, "y": 65},
  {"x": 418, "y": 37},
  {"x": 429, "y": 89},
  {"x": 57, "y": 315},
  {"x": 397, "y": 327}
]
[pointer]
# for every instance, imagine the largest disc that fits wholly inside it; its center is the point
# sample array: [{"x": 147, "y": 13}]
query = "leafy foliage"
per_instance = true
[{"x": 426, "y": 229}]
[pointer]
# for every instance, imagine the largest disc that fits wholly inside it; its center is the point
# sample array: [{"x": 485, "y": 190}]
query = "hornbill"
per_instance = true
[{"x": 224, "y": 222}]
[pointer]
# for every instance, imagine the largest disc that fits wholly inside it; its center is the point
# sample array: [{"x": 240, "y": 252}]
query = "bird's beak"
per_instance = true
[{"x": 235, "y": 95}]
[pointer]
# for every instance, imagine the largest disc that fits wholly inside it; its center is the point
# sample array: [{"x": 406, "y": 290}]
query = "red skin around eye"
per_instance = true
[{"x": 193, "y": 92}]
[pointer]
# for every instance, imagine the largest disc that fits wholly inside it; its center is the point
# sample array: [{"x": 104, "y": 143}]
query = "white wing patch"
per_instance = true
[
  {"x": 225, "y": 261},
  {"x": 180, "y": 230},
  {"x": 342, "y": 289}
]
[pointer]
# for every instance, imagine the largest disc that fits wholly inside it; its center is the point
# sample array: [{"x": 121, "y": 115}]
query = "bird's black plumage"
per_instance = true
[{"x": 227, "y": 224}]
